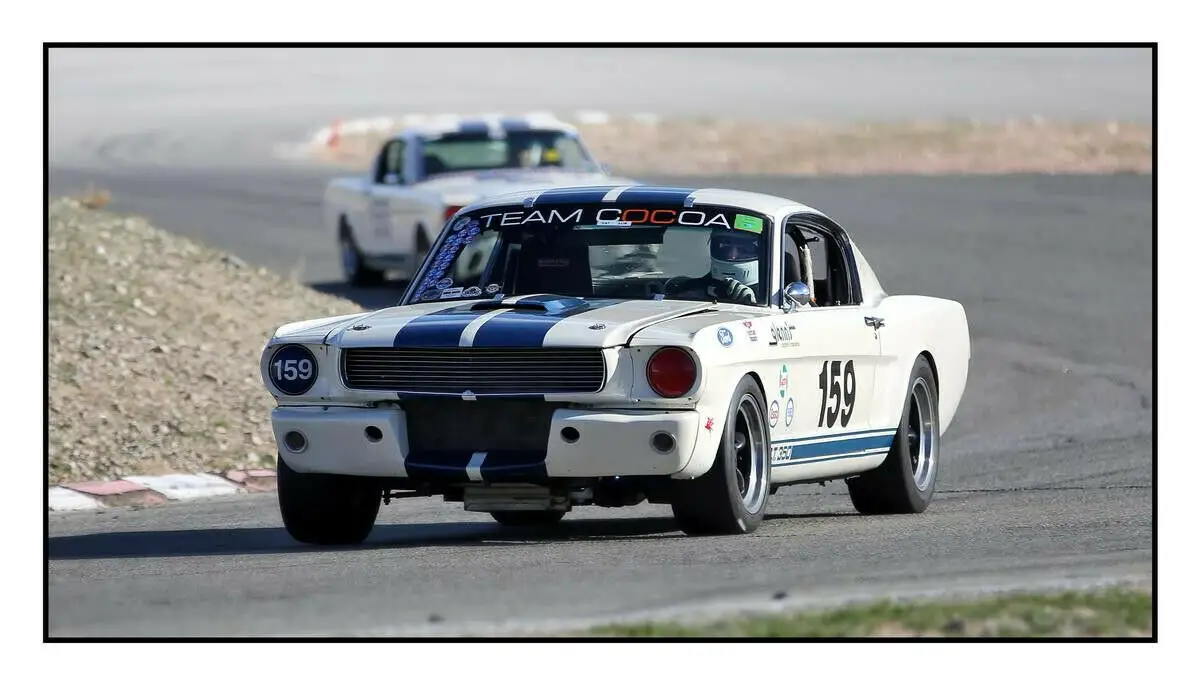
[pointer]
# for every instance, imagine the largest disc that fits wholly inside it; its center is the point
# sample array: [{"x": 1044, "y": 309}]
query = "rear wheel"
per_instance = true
[
  {"x": 354, "y": 268},
  {"x": 731, "y": 497},
  {"x": 528, "y": 517},
  {"x": 326, "y": 509},
  {"x": 904, "y": 483}
]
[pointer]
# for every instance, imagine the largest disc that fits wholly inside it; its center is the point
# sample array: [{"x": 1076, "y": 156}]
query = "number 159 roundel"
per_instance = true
[{"x": 611, "y": 345}]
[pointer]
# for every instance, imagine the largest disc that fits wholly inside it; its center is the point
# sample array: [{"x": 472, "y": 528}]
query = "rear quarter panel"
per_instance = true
[{"x": 914, "y": 324}]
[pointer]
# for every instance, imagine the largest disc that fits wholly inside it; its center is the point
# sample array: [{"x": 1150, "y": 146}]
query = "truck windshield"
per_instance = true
[
  {"x": 459, "y": 152},
  {"x": 605, "y": 250}
]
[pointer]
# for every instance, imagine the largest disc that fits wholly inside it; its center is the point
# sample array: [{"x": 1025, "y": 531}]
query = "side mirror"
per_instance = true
[{"x": 797, "y": 295}]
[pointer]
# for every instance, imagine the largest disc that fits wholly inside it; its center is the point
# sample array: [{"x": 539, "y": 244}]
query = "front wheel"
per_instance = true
[
  {"x": 326, "y": 509},
  {"x": 731, "y": 497},
  {"x": 904, "y": 483}
]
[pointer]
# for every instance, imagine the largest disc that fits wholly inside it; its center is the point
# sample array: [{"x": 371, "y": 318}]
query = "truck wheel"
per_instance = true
[
  {"x": 904, "y": 483},
  {"x": 326, "y": 509},
  {"x": 355, "y": 269},
  {"x": 731, "y": 497},
  {"x": 528, "y": 517}
]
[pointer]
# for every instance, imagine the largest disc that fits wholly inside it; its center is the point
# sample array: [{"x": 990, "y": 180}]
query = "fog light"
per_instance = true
[
  {"x": 295, "y": 441},
  {"x": 663, "y": 442}
]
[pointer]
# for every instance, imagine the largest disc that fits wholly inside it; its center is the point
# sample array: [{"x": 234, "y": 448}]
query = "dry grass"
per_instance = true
[{"x": 154, "y": 348}]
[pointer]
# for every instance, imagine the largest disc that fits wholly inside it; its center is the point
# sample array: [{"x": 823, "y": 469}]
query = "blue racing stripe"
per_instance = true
[
  {"x": 528, "y": 329},
  {"x": 438, "y": 465},
  {"x": 852, "y": 444},
  {"x": 570, "y": 196},
  {"x": 441, "y": 329},
  {"x": 473, "y": 126},
  {"x": 514, "y": 124},
  {"x": 670, "y": 196},
  {"x": 514, "y": 465}
]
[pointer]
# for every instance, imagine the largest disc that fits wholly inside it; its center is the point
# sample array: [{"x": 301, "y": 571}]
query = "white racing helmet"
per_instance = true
[{"x": 734, "y": 256}]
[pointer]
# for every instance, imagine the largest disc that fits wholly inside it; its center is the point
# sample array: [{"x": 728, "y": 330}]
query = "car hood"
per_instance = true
[
  {"x": 461, "y": 189},
  {"x": 521, "y": 322}
]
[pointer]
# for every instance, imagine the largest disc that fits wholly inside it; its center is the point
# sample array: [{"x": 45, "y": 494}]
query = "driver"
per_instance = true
[{"x": 733, "y": 273}]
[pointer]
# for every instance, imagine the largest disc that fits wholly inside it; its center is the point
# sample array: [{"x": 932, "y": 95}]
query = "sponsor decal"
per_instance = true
[
  {"x": 461, "y": 224},
  {"x": 744, "y": 222},
  {"x": 597, "y": 326},
  {"x": 790, "y": 413},
  {"x": 750, "y": 331},
  {"x": 431, "y": 294},
  {"x": 617, "y": 216},
  {"x": 472, "y": 292},
  {"x": 773, "y": 415},
  {"x": 492, "y": 288},
  {"x": 444, "y": 283},
  {"x": 708, "y": 424},
  {"x": 451, "y": 293},
  {"x": 781, "y": 332},
  {"x": 783, "y": 381},
  {"x": 725, "y": 336}
]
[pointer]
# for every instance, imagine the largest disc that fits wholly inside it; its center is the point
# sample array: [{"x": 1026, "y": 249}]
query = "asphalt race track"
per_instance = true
[{"x": 1046, "y": 475}]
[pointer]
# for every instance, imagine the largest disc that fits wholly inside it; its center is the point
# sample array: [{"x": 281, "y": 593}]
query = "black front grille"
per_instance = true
[
  {"x": 482, "y": 371},
  {"x": 452, "y": 425}
]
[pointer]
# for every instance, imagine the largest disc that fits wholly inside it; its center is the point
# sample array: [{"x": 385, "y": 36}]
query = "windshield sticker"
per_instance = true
[
  {"x": 431, "y": 294},
  {"x": 744, "y": 222},
  {"x": 445, "y": 283},
  {"x": 451, "y": 293},
  {"x": 492, "y": 288},
  {"x": 437, "y": 270},
  {"x": 607, "y": 216},
  {"x": 472, "y": 292}
]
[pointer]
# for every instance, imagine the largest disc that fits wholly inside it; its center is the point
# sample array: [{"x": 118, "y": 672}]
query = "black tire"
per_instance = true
[
  {"x": 528, "y": 517},
  {"x": 715, "y": 503},
  {"x": 326, "y": 509},
  {"x": 354, "y": 267},
  {"x": 905, "y": 484}
]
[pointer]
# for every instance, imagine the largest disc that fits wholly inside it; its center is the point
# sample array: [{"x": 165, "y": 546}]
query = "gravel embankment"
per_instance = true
[
  {"x": 714, "y": 147},
  {"x": 154, "y": 349}
]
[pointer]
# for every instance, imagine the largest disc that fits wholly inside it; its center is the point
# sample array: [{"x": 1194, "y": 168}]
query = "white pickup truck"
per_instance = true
[{"x": 386, "y": 219}]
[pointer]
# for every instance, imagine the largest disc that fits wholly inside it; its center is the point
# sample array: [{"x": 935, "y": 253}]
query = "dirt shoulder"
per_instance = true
[
  {"x": 714, "y": 147},
  {"x": 154, "y": 348}
]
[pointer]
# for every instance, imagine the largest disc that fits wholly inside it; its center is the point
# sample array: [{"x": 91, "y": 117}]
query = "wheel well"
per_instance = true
[
  {"x": 343, "y": 227},
  {"x": 761, "y": 388},
  {"x": 423, "y": 238},
  {"x": 932, "y": 365}
]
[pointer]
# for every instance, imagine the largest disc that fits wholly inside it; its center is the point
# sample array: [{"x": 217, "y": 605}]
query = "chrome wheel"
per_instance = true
[
  {"x": 750, "y": 453},
  {"x": 922, "y": 435}
]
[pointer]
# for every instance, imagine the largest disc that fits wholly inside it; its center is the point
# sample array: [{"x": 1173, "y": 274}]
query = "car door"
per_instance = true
[
  {"x": 386, "y": 193},
  {"x": 829, "y": 357}
]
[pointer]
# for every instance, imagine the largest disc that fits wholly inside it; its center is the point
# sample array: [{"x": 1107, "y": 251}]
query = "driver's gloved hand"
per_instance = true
[{"x": 735, "y": 291}]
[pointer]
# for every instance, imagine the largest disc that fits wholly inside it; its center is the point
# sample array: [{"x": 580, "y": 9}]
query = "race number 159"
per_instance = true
[{"x": 838, "y": 385}]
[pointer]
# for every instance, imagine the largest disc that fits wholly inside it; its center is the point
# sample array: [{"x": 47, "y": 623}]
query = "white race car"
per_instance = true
[
  {"x": 697, "y": 347},
  {"x": 386, "y": 219}
]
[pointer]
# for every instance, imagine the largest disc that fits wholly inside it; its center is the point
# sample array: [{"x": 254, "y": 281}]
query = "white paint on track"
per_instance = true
[{"x": 186, "y": 486}]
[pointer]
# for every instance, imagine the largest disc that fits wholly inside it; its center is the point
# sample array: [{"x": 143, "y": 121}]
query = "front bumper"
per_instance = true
[{"x": 374, "y": 442}]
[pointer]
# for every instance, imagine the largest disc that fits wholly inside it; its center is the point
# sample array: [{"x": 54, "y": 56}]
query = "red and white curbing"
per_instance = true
[
  {"x": 331, "y": 136},
  {"x": 158, "y": 489}
]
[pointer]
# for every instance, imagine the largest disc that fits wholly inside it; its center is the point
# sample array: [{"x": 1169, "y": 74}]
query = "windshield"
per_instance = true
[
  {"x": 706, "y": 253},
  {"x": 458, "y": 152}
]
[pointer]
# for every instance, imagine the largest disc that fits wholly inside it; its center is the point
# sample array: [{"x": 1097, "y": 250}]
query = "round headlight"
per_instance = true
[{"x": 293, "y": 369}]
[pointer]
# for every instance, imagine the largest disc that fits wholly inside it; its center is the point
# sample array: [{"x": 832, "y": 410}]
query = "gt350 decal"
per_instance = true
[{"x": 837, "y": 392}]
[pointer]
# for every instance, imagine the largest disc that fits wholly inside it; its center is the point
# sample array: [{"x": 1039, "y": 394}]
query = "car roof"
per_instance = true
[
  {"x": 684, "y": 197},
  {"x": 498, "y": 124}
]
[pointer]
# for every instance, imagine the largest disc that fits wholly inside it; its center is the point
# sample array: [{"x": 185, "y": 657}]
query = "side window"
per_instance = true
[
  {"x": 389, "y": 168},
  {"x": 830, "y": 275}
]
